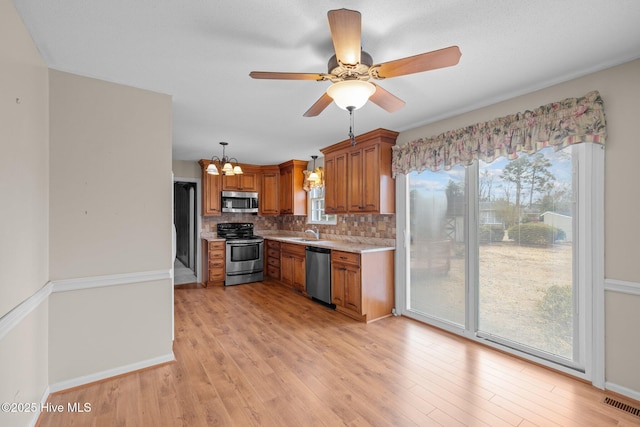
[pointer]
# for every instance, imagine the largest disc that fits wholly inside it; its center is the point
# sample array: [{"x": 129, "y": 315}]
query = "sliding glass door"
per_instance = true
[
  {"x": 525, "y": 245},
  {"x": 437, "y": 245},
  {"x": 492, "y": 253}
]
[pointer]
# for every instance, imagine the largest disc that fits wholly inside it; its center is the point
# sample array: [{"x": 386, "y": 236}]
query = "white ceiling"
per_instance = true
[{"x": 201, "y": 53}]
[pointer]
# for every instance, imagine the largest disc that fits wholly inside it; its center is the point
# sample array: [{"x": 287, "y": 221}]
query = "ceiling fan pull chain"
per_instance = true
[{"x": 351, "y": 135}]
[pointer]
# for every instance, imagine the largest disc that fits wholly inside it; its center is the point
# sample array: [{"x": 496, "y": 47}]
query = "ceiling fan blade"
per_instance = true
[
  {"x": 423, "y": 62},
  {"x": 346, "y": 28},
  {"x": 286, "y": 76},
  {"x": 319, "y": 106},
  {"x": 386, "y": 100}
]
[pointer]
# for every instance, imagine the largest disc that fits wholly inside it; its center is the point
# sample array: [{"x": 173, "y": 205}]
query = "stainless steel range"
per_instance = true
[{"x": 244, "y": 262}]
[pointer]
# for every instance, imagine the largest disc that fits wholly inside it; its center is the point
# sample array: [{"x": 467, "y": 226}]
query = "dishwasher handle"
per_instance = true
[{"x": 318, "y": 250}]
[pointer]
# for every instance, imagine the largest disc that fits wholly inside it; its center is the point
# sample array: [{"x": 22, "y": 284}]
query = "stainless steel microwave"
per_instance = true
[{"x": 239, "y": 201}]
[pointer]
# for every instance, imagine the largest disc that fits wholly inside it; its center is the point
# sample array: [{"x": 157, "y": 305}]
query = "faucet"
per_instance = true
[{"x": 316, "y": 233}]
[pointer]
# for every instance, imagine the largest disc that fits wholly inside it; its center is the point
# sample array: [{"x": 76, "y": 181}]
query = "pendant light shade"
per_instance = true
[{"x": 351, "y": 93}]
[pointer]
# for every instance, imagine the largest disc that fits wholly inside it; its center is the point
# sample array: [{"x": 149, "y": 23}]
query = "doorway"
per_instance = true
[{"x": 185, "y": 214}]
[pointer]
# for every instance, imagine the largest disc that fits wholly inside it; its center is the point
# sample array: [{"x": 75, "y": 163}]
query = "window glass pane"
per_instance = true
[
  {"x": 437, "y": 247},
  {"x": 525, "y": 234},
  {"x": 316, "y": 212}
]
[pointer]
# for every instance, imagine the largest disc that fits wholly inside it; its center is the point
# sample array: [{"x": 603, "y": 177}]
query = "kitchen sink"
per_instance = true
[{"x": 304, "y": 239}]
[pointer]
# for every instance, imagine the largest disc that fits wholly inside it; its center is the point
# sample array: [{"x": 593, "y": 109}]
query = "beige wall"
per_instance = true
[
  {"x": 110, "y": 214},
  {"x": 24, "y": 227},
  {"x": 620, "y": 90},
  {"x": 110, "y": 178},
  {"x": 186, "y": 169},
  {"x": 24, "y": 168}
]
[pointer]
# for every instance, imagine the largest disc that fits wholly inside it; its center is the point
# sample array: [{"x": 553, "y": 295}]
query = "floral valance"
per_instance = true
[{"x": 559, "y": 124}]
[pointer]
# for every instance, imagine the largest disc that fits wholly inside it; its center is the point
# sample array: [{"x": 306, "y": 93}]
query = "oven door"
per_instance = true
[{"x": 244, "y": 257}]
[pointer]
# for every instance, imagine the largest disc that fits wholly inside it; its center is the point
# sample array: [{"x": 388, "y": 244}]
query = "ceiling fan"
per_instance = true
[{"x": 351, "y": 68}]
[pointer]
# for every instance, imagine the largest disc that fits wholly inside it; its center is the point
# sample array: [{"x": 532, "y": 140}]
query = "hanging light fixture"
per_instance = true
[
  {"x": 351, "y": 93},
  {"x": 224, "y": 163},
  {"x": 313, "y": 176}
]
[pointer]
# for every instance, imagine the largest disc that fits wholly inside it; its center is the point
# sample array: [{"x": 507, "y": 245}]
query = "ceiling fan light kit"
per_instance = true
[{"x": 351, "y": 93}]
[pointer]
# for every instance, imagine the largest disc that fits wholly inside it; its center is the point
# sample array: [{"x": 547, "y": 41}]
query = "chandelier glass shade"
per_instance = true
[
  {"x": 351, "y": 93},
  {"x": 224, "y": 163}
]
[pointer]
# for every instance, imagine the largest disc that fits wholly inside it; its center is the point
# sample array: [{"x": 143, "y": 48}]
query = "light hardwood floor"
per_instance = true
[{"x": 260, "y": 354}]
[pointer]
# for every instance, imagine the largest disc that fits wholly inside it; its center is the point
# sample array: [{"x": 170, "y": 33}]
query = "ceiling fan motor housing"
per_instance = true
[{"x": 358, "y": 71}]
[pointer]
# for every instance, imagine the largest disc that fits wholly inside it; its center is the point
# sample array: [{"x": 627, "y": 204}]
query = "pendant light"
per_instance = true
[
  {"x": 224, "y": 163},
  {"x": 313, "y": 176}
]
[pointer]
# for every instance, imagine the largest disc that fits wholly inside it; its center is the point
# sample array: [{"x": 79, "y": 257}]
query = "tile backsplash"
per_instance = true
[{"x": 361, "y": 226}]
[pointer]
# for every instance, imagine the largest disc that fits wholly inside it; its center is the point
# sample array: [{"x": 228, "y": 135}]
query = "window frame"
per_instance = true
[{"x": 330, "y": 219}]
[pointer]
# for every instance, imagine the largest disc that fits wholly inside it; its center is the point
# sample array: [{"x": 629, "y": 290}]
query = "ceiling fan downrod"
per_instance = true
[{"x": 351, "y": 135}]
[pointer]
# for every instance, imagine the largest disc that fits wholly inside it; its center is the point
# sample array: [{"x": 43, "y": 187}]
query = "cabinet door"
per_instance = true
[
  {"x": 355, "y": 182},
  {"x": 248, "y": 181},
  {"x": 286, "y": 190},
  {"x": 269, "y": 196},
  {"x": 299, "y": 273},
  {"x": 352, "y": 289},
  {"x": 330, "y": 184},
  {"x": 335, "y": 196},
  {"x": 341, "y": 183},
  {"x": 210, "y": 192},
  {"x": 371, "y": 179},
  {"x": 286, "y": 269},
  {"x": 338, "y": 279}
]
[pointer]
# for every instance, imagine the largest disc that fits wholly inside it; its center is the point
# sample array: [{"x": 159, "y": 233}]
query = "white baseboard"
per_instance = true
[
  {"x": 43, "y": 401},
  {"x": 87, "y": 379},
  {"x": 623, "y": 391}
]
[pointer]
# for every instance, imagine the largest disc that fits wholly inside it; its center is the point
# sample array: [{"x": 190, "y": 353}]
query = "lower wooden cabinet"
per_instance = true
[
  {"x": 362, "y": 284},
  {"x": 215, "y": 262},
  {"x": 293, "y": 266},
  {"x": 272, "y": 255}
]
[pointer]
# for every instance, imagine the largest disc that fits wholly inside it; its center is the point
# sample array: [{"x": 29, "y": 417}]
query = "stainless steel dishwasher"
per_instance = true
[{"x": 318, "y": 265}]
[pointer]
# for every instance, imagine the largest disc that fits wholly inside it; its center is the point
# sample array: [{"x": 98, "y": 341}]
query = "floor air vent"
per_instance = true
[{"x": 622, "y": 406}]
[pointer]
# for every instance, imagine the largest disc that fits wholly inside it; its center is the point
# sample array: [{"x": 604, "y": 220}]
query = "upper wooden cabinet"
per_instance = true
[
  {"x": 268, "y": 201},
  {"x": 335, "y": 196},
  {"x": 248, "y": 180},
  {"x": 293, "y": 199},
  {"x": 358, "y": 178},
  {"x": 211, "y": 185}
]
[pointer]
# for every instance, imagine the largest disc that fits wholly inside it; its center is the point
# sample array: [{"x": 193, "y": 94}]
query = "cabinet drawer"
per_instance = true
[
  {"x": 216, "y": 264},
  {"x": 216, "y": 276},
  {"x": 216, "y": 246},
  {"x": 217, "y": 254},
  {"x": 273, "y": 272},
  {"x": 273, "y": 261},
  {"x": 345, "y": 257},
  {"x": 292, "y": 249},
  {"x": 272, "y": 244},
  {"x": 273, "y": 253}
]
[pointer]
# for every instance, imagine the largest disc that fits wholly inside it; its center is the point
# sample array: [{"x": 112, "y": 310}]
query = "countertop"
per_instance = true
[
  {"x": 340, "y": 245},
  {"x": 346, "y": 243}
]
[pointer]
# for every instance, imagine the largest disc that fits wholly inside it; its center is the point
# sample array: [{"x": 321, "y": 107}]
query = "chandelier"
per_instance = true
[{"x": 224, "y": 163}]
